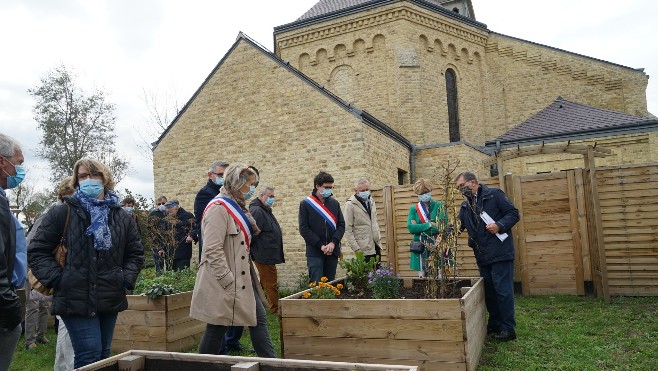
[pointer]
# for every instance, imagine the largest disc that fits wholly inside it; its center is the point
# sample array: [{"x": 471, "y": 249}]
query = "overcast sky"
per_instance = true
[{"x": 126, "y": 47}]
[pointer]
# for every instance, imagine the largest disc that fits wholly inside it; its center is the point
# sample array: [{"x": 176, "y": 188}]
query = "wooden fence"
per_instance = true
[{"x": 572, "y": 230}]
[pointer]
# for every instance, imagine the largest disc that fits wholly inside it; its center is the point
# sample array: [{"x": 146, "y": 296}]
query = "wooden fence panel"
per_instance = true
[{"x": 630, "y": 227}]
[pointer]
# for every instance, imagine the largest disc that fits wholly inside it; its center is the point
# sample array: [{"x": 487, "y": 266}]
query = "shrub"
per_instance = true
[
  {"x": 357, "y": 271},
  {"x": 384, "y": 283},
  {"x": 170, "y": 282}
]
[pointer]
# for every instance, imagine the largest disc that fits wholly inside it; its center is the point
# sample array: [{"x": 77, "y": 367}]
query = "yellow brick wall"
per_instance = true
[
  {"x": 429, "y": 161},
  {"x": 391, "y": 61},
  {"x": 626, "y": 149},
  {"x": 254, "y": 111}
]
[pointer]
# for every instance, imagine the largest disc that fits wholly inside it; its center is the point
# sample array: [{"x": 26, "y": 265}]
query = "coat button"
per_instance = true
[
  {"x": 243, "y": 287},
  {"x": 238, "y": 230},
  {"x": 93, "y": 314},
  {"x": 243, "y": 273},
  {"x": 243, "y": 258},
  {"x": 241, "y": 242}
]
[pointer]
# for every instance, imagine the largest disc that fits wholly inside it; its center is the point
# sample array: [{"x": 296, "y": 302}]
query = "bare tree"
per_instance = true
[
  {"x": 74, "y": 124},
  {"x": 162, "y": 109},
  {"x": 30, "y": 201}
]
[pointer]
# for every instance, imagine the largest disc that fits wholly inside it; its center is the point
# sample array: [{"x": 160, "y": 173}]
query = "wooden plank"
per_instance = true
[
  {"x": 575, "y": 232},
  {"x": 596, "y": 208},
  {"x": 563, "y": 236},
  {"x": 363, "y": 358},
  {"x": 398, "y": 329},
  {"x": 525, "y": 280},
  {"x": 452, "y": 351},
  {"x": 120, "y": 345},
  {"x": 131, "y": 363},
  {"x": 183, "y": 344},
  {"x": 177, "y": 301},
  {"x": 363, "y": 308},
  {"x": 185, "y": 329},
  {"x": 143, "y": 302},
  {"x": 471, "y": 299},
  {"x": 142, "y": 317}
]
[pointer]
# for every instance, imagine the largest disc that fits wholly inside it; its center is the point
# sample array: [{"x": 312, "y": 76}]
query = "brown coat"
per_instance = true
[
  {"x": 361, "y": 229},
  {"x": 223, "y": 292}
]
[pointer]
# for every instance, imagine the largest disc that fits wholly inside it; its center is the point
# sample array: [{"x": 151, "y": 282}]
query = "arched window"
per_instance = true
[{"x": 453, "y": 107}]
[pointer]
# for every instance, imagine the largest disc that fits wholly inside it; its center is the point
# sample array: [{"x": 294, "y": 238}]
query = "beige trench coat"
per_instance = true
[
  {"x": 361, "y": 230},
  {"x": 223, "y": 292}
]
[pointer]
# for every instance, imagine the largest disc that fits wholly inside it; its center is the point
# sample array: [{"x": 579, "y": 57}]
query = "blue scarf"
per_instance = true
[{"x": 99, "y": 210}]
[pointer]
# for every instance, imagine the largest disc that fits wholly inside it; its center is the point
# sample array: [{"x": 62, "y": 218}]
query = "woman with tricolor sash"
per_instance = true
[
  {"x": 227, "y": 291},
  {"x": 426, "y": 218}
]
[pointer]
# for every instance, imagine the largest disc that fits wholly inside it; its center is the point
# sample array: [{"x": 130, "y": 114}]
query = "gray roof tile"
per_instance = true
[
  {"x": 329, "y": 6},
  {"x": 565, "y": 117}
]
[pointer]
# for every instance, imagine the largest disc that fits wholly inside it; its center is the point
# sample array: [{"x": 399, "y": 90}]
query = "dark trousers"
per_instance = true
[
  {"x": 180, "y": 264},
  {"x": 321, "y": 266},
  {"x": 157, "y": 261},
  {"x": 213, "y": 339},
  {"x": 232, "y": 339},
  {"x": 499, "y": 294},
  {"x": 91, "y": 337}
]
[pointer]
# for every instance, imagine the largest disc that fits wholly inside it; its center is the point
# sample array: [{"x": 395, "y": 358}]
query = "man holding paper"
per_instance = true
[{"x": 488, "y": 216}]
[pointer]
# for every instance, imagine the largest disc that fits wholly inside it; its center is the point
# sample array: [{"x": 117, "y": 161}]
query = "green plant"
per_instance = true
[
  {"x": 170, "y": 282},
  {"x": 384, "y": 283},
  {"x": 322, "y": 290},
  {"x": 357, "y": 271}
]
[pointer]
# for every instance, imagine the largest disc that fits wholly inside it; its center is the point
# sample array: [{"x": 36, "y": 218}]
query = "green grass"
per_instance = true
[{"x": 554, "y": 333}]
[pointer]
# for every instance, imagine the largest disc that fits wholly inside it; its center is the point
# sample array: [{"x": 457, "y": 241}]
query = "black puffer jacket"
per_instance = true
[
  {"x": 10, "y": 305},
  {"x": 92, "y": 282}
]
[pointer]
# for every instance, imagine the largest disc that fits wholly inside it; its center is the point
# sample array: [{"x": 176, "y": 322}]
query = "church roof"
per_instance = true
[
  {"x": 328, "y": 9},
  {"x": 565, "y": 120}
]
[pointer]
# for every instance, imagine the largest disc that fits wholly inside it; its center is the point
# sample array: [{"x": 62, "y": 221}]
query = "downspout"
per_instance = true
[{"x": 412, "y": 164}]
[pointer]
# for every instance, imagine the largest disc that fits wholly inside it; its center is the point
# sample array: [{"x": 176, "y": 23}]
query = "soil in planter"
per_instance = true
[{"x": 416, "y": 291}]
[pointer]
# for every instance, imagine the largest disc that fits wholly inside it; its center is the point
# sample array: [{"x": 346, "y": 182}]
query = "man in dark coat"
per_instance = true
[
  {"x": 322, "y": 226},
  {"x": 267, "y": 247},
  {"x": 11, "y": 157},
  {"x": 488, "y": 216},
  {"x": 180, "y": 239},
  {"x": 157, "y": 230},
  {"x": 205, "y": 194}
]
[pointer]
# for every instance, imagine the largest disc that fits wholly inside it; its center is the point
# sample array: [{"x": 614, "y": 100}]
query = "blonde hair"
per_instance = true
[
  {"x": 65, "y": 187},
  {"x": 94, "y": 166},
  {"x": 423, "y": 186},
  {"x": 236, "y": 176}
]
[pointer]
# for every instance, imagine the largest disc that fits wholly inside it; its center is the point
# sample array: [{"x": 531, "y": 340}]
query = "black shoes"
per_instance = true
[{"x": 504, "y": 335}]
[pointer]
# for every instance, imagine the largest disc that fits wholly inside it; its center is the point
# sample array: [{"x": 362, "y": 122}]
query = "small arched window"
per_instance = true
[{"x": 453, "y": 107}]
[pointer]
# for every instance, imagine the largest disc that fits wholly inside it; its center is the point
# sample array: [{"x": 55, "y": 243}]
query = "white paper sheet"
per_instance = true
[{"x": 489, "y": 220}]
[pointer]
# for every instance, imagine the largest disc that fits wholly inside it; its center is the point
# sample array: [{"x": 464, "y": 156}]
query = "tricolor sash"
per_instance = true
[
  {"x": 323, "y": 211},
  {"x": 236, "y": 213},
  {"x": 423, "y": 214}
]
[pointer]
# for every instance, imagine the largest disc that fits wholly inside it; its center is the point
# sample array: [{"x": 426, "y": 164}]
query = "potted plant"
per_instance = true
[
  {"x": 434, "y": 333},
  {"x": 157, "y": 317}
]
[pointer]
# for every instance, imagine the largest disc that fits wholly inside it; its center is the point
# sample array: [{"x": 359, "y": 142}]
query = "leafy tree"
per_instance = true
[{"x": 74, "y": 124}]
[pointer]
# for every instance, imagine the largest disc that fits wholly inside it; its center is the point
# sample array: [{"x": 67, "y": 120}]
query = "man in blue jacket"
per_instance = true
[
  {"x": 322, "y": 225},
  {"x": 488, "y": 216}
]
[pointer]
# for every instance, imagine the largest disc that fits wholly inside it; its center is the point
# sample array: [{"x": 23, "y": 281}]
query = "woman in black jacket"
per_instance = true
[{"x": 104, "y": 258}]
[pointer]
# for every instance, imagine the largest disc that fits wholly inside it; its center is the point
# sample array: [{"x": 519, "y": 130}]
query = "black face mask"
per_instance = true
[{"x": 466, "y": 190}]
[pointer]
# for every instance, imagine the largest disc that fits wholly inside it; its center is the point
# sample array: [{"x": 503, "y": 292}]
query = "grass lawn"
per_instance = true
[{"x": 554, "y": 333}]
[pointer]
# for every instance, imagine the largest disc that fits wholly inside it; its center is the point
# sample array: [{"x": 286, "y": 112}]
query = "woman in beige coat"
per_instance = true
[
  {"x": 361, "y": 226},
  {"x": 227, "y": 292}
]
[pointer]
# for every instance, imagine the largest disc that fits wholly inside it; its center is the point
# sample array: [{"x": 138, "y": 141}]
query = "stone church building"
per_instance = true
[{"x": 386, "y": 90}]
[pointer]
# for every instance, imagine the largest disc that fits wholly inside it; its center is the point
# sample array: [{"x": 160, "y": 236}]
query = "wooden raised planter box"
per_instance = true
[
  {"x": 434, "y": 334},
  {"x": 162, "y": 323},
  {"x": 140, "y": 360}
]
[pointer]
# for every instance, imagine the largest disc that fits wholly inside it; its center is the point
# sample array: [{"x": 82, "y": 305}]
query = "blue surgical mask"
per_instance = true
[
  {"x": 219, "y": 180},
  {"x": 128, "y": 209},
  {"x": 14, "y": 180},
  {"x": 91, "y": 187},
  {"x": 270, "y": 201},
  {"x": 363, "y": 195},
  {"x": 162, "y": 208},
  {"x": 326, "y": 193},
  {"x": 425, "y": 197},
  {"x": 250, "y": 193}
]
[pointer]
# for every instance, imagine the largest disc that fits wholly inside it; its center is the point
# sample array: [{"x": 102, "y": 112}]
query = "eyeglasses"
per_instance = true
[
  {"x": 218, "y": 174},
  {"x": 161, "y": 203},
  {"x": 170, "y": 205},
  {"x": 84, "y": 176}
]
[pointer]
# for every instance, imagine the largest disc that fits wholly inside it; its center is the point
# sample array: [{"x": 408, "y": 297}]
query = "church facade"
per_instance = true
[{"x": 386, "y": 90}]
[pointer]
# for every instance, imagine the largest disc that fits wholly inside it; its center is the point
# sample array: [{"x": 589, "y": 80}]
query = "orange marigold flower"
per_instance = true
[
  {"x": 306, "y": 295},
  {"x": 324, "y": 279},
  {"x": 312, "y": 284},
  {"x": 339, "y": 286}
]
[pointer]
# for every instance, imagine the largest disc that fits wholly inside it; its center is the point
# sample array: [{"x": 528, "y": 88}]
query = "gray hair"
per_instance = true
[
  {"x": 265, "y": 190},
  {"x": 468, "y": 176},
  {"x": 237, "y": 175},
  {"x": 215, "y": 164},
  {"x": 8, "y": 145},
  {"x": 361, "y": 181}
]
